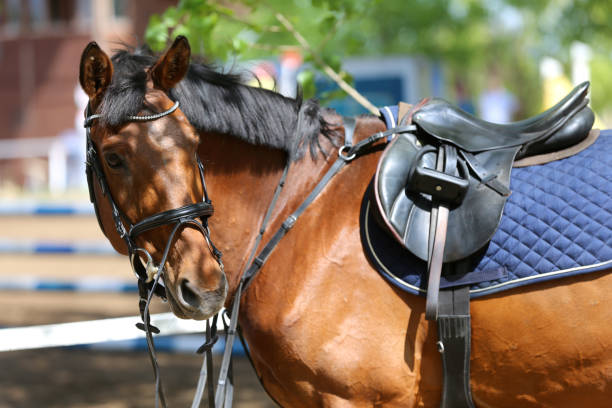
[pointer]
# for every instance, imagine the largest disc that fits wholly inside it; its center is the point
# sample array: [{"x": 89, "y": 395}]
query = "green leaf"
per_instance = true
[
  {"x": 328, "y": 96},
  {"x": 239, "y": 45},
  {"x": 181, "y": 30},
  {"x": 306, "y": 80},
  {"x": 171, "y": 16},
  {"x": 334, "y": 61},
  {"x": 346, "y": 77},
  {"x": 156, "y": 33},
  {"x": 327, "y": 22}
]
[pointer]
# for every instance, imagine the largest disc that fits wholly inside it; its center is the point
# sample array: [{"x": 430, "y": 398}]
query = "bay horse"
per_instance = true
[{"x": 323, "y": 327}]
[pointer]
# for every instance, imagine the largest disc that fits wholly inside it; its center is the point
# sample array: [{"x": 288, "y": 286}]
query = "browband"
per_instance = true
[{"x": 144, "y": 118}]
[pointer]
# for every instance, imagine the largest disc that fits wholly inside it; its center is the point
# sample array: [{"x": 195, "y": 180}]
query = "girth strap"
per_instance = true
[{"x": 454, "y": 336}]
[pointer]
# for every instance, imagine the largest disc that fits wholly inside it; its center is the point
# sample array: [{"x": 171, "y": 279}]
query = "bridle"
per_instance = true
[
  {"x": 178, "y": 217},
  {"x": 195, "y": 215}
]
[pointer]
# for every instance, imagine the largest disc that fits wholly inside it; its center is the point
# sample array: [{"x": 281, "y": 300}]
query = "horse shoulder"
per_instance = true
[{"x": 324, "y": 323}]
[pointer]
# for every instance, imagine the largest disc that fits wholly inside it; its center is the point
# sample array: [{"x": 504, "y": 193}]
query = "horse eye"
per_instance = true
[{"x": 113, "y": 160}]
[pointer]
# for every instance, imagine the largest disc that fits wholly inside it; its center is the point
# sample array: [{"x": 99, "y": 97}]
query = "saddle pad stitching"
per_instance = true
[
  {"x": 560, "y": 245},
  {"x": 513, "y": 282},
  {"x": 569, "y": 207},
  {"x": 569, "y": 174},
  {"x": 568, "y": 214},
  {"x": 544, "y": 175},
  {"x": 542, "y": 275}
]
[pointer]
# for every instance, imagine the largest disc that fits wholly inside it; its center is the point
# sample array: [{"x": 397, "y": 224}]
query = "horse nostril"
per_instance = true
[{"x": 188, "y": 295}]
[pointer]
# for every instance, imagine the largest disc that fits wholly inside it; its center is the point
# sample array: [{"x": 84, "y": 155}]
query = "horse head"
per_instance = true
[{"x": 145, "y": 153}]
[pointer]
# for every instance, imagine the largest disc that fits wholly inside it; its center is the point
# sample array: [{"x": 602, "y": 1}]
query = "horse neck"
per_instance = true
[{"x": 241, "y": 179}]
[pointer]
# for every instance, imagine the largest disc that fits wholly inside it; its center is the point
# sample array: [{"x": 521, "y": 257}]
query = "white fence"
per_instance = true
[
  {"x": 114, "y": 333},
  {"x": 55, "y": 150}
]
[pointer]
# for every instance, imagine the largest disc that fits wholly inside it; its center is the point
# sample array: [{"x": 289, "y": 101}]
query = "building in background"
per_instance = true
[
  {"x": 40, "y": 47},
  {"x": 385, "y": 81}
]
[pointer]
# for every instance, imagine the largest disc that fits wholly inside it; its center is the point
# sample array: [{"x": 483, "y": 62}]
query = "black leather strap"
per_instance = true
[
  {"x": 210, "y": 337},
  {"x": 288, "y": 223},
  {"x": 196, "y": 210},
  {"x": 260, "y": 260},
  {"x": 483, "y": 175},
  {"x": 365, "y": 143},
  {"x": 230, "y": 336},
  {"x": 206, "y": 381},
  {"x": 454, "y": 345},
  {"x": 447, "y": 163}
]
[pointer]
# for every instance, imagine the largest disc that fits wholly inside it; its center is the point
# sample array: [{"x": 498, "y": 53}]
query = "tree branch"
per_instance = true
[{"x": 326, "y": 68}]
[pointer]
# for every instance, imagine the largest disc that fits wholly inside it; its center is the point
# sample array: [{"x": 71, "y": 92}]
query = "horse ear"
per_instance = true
[
  {"x": 96, "y": 70},
  {"x": 173, "y": 65}
]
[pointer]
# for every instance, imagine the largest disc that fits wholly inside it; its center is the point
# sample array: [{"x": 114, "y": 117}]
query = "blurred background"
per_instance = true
[{"x": 502, "y": 60}]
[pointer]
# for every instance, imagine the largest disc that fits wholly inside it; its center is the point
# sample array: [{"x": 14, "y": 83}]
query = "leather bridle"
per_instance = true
[
  {"x": 194, "y": 215},
  {"x": 178, "y": 217}
]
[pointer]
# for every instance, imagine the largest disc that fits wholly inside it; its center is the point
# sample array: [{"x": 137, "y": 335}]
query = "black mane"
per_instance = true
[{"x": 221, "y": 103}]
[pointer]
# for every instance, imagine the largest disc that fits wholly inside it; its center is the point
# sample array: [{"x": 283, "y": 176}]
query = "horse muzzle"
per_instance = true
[{"x": 188, "y": 301}]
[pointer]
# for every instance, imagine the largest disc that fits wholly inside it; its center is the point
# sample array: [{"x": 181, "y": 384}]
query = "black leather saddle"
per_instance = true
[
  {"x": 441, "y": 188},
  {"x": 549, "y": 131}
]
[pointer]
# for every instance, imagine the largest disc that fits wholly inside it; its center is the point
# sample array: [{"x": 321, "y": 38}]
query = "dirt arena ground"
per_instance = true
[{"x": 76, "y": 378}]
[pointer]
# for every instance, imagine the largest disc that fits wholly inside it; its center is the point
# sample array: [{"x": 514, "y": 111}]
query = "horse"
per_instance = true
[{"x": 322, "y": 326}]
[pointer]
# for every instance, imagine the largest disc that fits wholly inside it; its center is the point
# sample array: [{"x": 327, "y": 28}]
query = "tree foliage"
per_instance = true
[{"x": 468, "y": 36}]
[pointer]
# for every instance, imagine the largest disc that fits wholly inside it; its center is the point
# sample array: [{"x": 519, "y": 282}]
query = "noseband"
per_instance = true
[{"x": 148, "y": 275}]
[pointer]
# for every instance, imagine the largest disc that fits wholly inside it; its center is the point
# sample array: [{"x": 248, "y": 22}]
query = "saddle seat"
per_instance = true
[
  {"x": 407, "y": 182},
  {"x": 545, "y": 132}
]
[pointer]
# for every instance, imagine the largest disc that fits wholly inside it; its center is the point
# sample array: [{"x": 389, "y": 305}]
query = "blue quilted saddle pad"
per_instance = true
[{"x": 556, "y": 223}]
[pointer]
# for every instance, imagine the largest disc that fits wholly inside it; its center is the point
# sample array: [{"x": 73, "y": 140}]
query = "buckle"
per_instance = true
[
  {"x": 344, "y": 151},
  {"x": 440, "y": 186}
]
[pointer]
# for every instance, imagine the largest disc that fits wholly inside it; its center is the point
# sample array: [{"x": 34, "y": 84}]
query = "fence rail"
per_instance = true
[
  {"x": 31, "y": 207},
  {"x": 29, "y": 247},
  {"x": 89, "y": 284},
  {"x": 119, "y": 329},
  {"x": 105, "y": 334}
]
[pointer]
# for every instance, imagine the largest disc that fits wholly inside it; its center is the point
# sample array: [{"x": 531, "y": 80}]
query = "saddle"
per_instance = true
[{"x": 441, "y": 189}]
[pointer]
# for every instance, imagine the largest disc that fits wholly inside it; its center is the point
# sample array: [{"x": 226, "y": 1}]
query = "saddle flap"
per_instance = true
[{"x": 406, "y": 214}]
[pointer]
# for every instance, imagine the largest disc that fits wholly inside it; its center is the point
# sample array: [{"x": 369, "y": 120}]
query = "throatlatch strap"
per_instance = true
[{"x": 454, "y": 345}]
